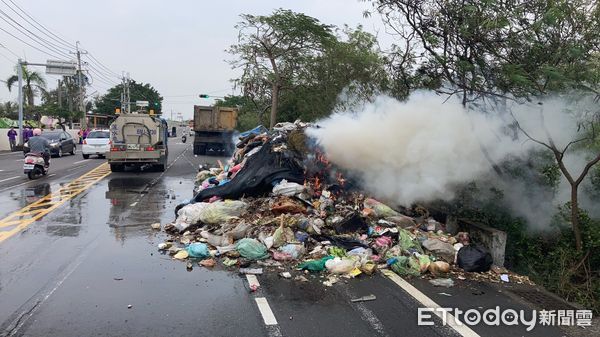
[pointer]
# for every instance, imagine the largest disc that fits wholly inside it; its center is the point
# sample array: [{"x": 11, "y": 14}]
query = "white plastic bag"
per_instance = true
[
  {"x": 340, "y": 266},
  {"x": 288, "y": 189}
]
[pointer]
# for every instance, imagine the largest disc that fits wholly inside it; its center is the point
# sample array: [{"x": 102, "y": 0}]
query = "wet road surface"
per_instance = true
[{"x": 91, "y": 268}]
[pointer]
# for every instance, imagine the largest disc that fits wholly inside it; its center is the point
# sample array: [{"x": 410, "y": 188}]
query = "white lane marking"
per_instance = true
[
  {"x": 7, "y": 179},
  {"x": 81, "y": 161},
  {"x": 427, "y": 302},
  {"x": 21, "y": 184},
  {"x": 252, "y": 280},
  {"x": 1, "y": 170},
  {"x": 76, "y": 168},
  {"x": 20, "y": 159},
  {"x": 133, "y": 205},
  {"x": 265, "y": 311}
]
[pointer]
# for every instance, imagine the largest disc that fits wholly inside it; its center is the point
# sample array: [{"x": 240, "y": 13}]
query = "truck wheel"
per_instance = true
[
  {"x": 116, "y": 167},
  {"x": 85, "y": 156},
  {"x": 161, "y": 167}
]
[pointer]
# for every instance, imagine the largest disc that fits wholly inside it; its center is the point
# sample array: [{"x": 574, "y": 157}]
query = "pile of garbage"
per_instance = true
[{"x": 279, "y": 204}]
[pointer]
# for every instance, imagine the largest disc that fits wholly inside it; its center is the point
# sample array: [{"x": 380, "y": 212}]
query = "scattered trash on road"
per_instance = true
[
  {"x": 279, "y": 204},
  {"x": 364, "y": 298},
  {"x": 442, "y": 282},
  {"x": 251, "y": 271}
]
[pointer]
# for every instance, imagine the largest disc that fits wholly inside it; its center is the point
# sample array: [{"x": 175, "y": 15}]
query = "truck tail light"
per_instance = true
[
  {"x": 149, "y": 148},
  {"x": 117, "y": 148}
]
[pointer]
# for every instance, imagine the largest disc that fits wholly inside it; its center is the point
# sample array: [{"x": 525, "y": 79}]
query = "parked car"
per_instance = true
[
  {"x": 97, "y": 143},
  {"x": 61, "y": 142}
]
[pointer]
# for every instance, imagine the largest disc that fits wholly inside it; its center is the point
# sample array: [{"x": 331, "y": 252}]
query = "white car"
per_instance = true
[{"x": 97, "y": 143}]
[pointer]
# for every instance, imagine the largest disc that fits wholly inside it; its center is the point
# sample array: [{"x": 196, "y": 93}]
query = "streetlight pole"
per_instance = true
[{"x": 20, "y": 98}]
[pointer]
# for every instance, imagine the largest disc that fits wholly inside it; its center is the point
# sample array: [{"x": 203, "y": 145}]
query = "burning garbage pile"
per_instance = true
[{"x": 281, "y": 205}]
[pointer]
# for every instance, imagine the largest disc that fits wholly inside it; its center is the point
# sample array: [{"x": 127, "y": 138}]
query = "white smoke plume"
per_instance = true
[{"x": 422, "y": 149}]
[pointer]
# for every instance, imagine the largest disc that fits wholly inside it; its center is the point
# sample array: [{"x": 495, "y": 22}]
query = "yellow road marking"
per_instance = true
[{"x": 22, "y": 218}]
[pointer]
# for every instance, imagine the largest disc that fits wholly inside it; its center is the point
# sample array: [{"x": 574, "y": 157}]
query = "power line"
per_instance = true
[
  {"x": 10, "y": 51},
  {"x": 100, "y": 74},
  {"x": 100, "y": 79},
  {"x": 30, "y": 45},
  {"x": 43, "y": 42},
  {"x": 6, "y": 57},
  {"x": 50, "y": 35},
  {"x": 54, "y": 37},
  {"x": 94, "y": 60}
]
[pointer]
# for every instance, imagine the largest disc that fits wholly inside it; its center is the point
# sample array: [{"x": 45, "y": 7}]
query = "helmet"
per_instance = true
[{"x": 37, "y": 131}]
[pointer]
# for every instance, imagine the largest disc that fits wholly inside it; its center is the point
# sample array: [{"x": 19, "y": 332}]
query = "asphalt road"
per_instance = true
[{"x": 91, "y": 268}]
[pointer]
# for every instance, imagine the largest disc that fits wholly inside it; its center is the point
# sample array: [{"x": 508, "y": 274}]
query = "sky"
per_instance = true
[{"x": 177, "y": 46}]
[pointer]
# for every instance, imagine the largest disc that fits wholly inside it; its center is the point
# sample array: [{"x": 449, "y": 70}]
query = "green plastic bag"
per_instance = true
[
  {"x": 252, "y": 249},
  {"x": 337, "y": 251},
  {"x": 406, "y": 242},
  {"x": 406, "y": 266},
  {"x": 315, "y": 265},
  {"x": 380, "y": 209}
]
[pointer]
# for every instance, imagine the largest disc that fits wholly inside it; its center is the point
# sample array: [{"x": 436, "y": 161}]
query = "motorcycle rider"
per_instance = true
[{"x": 40, "y": 145}]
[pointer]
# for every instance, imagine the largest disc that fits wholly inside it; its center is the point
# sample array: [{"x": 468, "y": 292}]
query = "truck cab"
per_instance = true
[{"x": 138, "y": 139}]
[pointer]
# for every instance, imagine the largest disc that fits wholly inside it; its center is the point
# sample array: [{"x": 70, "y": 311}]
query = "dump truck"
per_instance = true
[
  {"x": 138, "y": 139},
  {"x": 213, "y": 129}
]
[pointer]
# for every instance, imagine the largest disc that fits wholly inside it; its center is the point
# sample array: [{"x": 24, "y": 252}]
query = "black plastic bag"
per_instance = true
[
  {"x": 474, "y": 258},
  {"x": 353, "y": 223}
]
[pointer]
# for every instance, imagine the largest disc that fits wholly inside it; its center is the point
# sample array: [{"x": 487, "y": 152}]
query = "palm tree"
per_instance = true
[{"x": 33, "y": 83}]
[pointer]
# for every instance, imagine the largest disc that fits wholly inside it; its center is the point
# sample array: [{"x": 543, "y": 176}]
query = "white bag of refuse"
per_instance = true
[
  {"x": 189, "y": 215},
  {"x": 221, "y": 211},
  {"x": 288, "y": 189},
  {"x": 209, "y": 213}
]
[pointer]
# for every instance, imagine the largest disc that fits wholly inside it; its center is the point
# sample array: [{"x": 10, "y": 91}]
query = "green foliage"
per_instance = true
[
  {"x": 306, "y": 63},
  {"x": 250, "y": 114},
  {"x": 33, "y": 84},
  {"x": 9, "y": 110},
  {"x": 548, "y": 257},
  {"x": 107, "y": 103},
  {"x": 516, "y": 48}
]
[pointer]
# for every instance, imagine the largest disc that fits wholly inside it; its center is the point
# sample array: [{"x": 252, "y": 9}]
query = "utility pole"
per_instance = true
[
  {"x": 125, "y": 107},
  {"x": 127, "y": 97},
  {"x": 81, "y": 85},
  {"x": 59, "y": 92}
]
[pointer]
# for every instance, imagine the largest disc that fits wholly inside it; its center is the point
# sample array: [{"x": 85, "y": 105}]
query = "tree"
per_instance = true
[
  {"x": 589, "y": 135},
  {"x": 513, "y": 49},
  {"x": 272, "y": 52},
  {"x": 107, "y": 103},
  {"x": 52, "y": 107},
  {"x": 351, "y": 70},
  {"x": 9, "y": 110},
  {"x": 33, "y": 84},
  {"x": 250, "y": 113}
]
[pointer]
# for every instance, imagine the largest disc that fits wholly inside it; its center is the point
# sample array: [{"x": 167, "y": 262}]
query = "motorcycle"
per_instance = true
[
  {"x": 34, "y": 166},
  {"x": 183, "y": 138}
]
